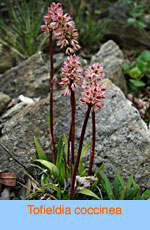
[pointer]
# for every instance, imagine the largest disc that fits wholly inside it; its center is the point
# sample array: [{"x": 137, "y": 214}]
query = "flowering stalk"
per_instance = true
[
  {"x": 71, "y": 80},
  {"x": 73, "y": 106},
  {"x": 63, "y": 29},
  {"x": 51, "y": 98},
  {"x": 79, "y": 151},
  {"x": 93, "y": 93},
  {"x": 93, "y": 143},
  {"x": 72, "y": 129}
]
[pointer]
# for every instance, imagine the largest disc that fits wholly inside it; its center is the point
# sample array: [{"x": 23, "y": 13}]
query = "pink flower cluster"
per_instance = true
[
  {"x": 63, "y": 28},
  {"x": 72, "y": 74},
  {"x": 93, "y": 91},
  {"x": 94, "y": 73}
]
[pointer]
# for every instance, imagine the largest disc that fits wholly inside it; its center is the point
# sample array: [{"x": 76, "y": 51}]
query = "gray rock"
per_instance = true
[
  {"x": 122, "y": 138},
  {"x": 4, "y": 100},
  {"x": 58, "y": 60},
  {"x": 30, "y": 78},
  {"x": 84, "y": 182},
  {"x": 147, "y": 19},
  {"x": 6, "y": 59},
  {"x": 111, "y": 58},
  {"x": 12, "y": 111},
  {"x": 127, "y": 37}
]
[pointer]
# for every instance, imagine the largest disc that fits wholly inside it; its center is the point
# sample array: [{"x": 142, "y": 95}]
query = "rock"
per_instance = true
[
  {"x": 12, "y": 111},
  {"x": 16, "y": 106},
  {"x": 26, "y": 100},
  {"x": 29, "y": 122},
  {"x": 59, "y": 60},
  {"x": 4, "y": 100},
  {"x": 127, "y": 37},
  {"x": 84, "y": 182},
  {"x": 122, "y": 138},
  {"x": 6, "y": 59},
  {"x": 147, "y": 19},
  {"x": 30, "y": 78},
  {"x": 111, "y": 58},
  {"x": 5, "y": 195}
]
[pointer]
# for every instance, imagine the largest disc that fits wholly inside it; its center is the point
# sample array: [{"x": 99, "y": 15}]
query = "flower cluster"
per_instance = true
[
  {"x": 72, "y": 74},
  {"x": 93, "y": 91},
  {"x": 94, "y": 73},
  {"x": 63, "y": 28}
]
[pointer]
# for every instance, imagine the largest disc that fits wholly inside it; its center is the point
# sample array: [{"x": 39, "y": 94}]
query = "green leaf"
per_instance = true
[
  {"x": 44, "y": 178},
  {"x": 50, "y": 166},
  {"x": 126, "y": 67},
  {"x": 34, "y": 194},
  {"x": 145, "y": 55},
  {"x": 89, "y": 193},
  {"x": 108, "y": 188},
  {"x": 131, "y": 195},
  {"x": 81, "y": 169},
  {"x": 147, "y": 75},
  {"x": 116, "y": 187},
  {"x": 123, "y": 193},
  {"x": 40, "y": 151},
  {"x": 137, "y": 83},
  {"x": 12, "y": 48},
  {"x": 85, "y": 149},
  {"x": 129, "y": 182},
  {"x": 59, "y": 152},
  {"x": 146, "y": 194},
  {"x": 65, "y": 139},
  {"x": 120, "y": 180},
  {"x": 131, "y": 21},
  {"x": 66, "y": 151},
  {"x": 51, "y": 186},
  {"x": 135, "y": 72},
  {"x": 141, "y": 24},
  {"x": 48, "y": 118},
  {"x": 100, "y": 173},
  {"x": 141, "y": 65}
]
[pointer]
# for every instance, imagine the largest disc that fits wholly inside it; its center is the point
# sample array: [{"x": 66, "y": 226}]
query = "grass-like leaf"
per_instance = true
[
  {"x": 54, "y": 170},
  {"x": 88, "y": 192},
  {"x": 40, "y": 151},
  {"x": 51, "y": 186},
  {"x": 85, "y": 149}
]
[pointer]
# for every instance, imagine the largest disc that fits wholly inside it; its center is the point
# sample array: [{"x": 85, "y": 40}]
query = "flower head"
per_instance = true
[
  {"x": 93, "y": 91},
  {"x": 94, "y": 73},
  {"x": 72, "y": 74},
  {"x": 55, "y": 11},
  {"x": 63, "y": 28},
  {"x": 93, "y": 94}
]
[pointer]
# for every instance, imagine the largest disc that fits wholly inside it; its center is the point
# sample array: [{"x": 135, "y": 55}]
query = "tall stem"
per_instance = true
[
  {"x": 69, "y": 140},
  {"x": 73, "y": 106},
  {"x": 72, "y": 127},
  {"x": 93, "y": 143},
  {"x": 51, "y": 98},
  {"x": 79, "y": 152}
]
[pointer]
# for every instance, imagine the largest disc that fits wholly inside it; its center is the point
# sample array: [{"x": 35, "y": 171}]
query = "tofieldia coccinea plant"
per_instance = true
[{"x": 62, "y": 27}]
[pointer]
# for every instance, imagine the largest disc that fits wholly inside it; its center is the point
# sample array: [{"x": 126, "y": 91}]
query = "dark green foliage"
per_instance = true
[
  {"x": 22, "y": 33},
  {"x": 135, "y": 10},
  {"x": 55, "y": 180},
  {"x": 119, "y": 189},
  {"x": 139, "y": 70},
  {"x": 91, "y": 31},
  {"x": 57, "y": 177}
]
